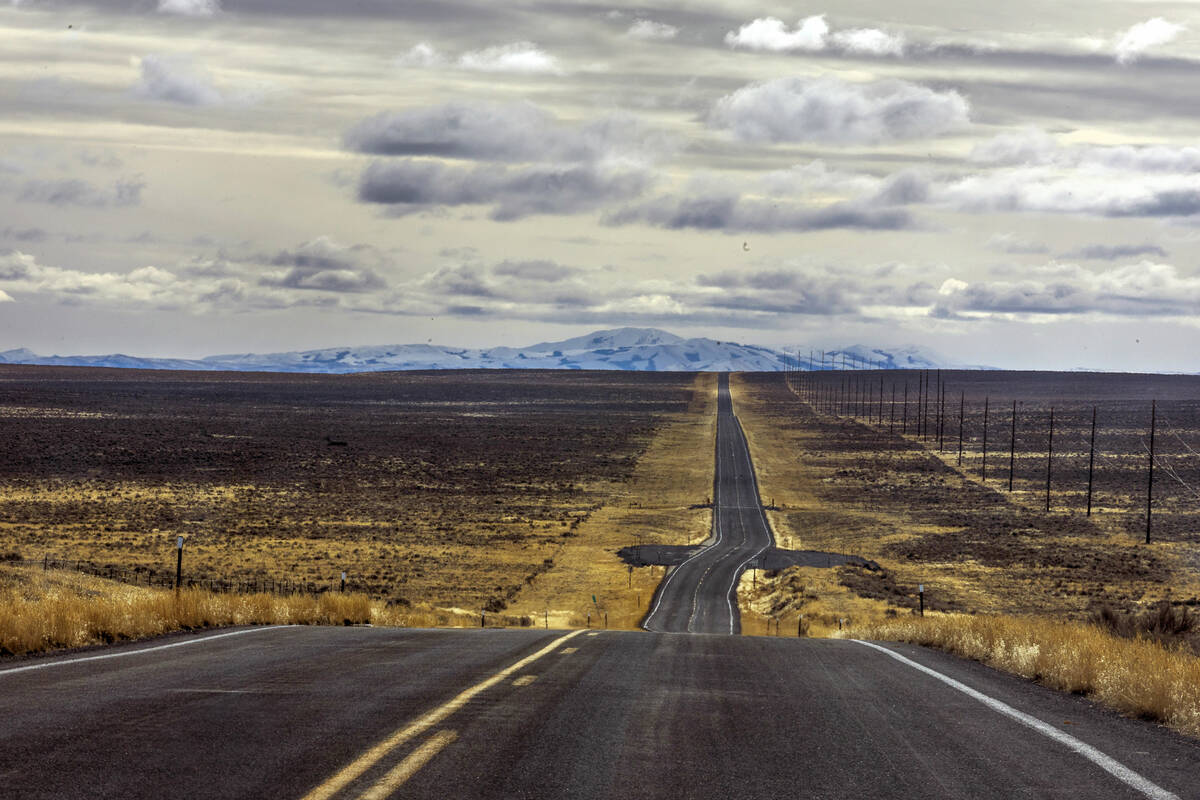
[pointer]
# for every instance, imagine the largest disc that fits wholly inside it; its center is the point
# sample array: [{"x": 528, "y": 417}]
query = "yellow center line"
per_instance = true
[
  {"x": 409, "y": 766},
  {"x": 355, "y": 768},
  {"x": 524, "y": 680}
]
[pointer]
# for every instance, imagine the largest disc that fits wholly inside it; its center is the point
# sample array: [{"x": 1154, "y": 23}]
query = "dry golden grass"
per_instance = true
[
  {"x": 674, "y": 474},
  {"x": 1134, "y": 676},
  {"x": 42, "y": 610},
  {"x": 797, "y": 467},
  {"x": 771, "y": 602},
  {"x": 46, "y": 610},
  {"x": 451, "y": 489}
]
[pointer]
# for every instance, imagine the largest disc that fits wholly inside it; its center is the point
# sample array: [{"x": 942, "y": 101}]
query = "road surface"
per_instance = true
[
  {"x": 700, "y": 595},
  {"x": 319, "y": 713}
]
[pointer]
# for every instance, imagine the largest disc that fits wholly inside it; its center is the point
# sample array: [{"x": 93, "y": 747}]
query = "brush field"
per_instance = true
[
  {"x": 851, "y": 485},
  {"x": 457, "y": 489}
]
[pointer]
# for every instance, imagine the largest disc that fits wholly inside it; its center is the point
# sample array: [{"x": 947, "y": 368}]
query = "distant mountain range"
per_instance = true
[{"x": 641, "y": 349}]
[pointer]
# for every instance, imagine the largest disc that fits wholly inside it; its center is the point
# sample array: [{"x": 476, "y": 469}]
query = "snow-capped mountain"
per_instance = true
[{"x": 642, "y": 349}]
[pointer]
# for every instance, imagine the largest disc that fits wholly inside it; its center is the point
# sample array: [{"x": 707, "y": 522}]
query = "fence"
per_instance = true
[
  {"x": 144, "y": 576},
  {"x": 1095, "y": 443}
]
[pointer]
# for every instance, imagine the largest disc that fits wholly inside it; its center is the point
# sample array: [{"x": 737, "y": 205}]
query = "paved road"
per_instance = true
[
  {"x": 360, "y": 712},
  {"x": 700, "y": 595}
]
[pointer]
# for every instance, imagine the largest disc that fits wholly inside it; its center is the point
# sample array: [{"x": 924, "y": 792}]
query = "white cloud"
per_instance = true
[
  {"x": 1144, "y": 35},
  {"x": 5, "y": 297},
  {"x": 649, "y": 29},
  {"x": 190, "y": 8},
  {"x": 320, "y": 272},
  {"x": 869, "y": 42},
  {"x": 1031, "y": 146},
  {"x": 832, "y": 110},
  {"x": 769, "y": 33},
  {"x": 952, "y": 285},
  {"x": 518, "y": 57},
  {"x": 422, "y": 56},
  {"x": 174, "y": 79},
  {"x": 813, "y": 35},
  {"x": 1095, "y": 192}
]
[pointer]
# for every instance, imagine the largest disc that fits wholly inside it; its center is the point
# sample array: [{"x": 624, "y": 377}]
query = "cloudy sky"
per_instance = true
[{"x": 1012, "y": 184}]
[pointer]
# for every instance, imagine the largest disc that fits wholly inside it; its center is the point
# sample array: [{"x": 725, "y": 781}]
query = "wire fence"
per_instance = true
[
  {"x": 166, "y": 578},
  {"x": 1077, "y": 442}
]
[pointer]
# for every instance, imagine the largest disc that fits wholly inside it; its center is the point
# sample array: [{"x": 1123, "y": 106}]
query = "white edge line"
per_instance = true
[
  {"x": 1105, "y": 762},
  {"x": 123, "y": 653}
]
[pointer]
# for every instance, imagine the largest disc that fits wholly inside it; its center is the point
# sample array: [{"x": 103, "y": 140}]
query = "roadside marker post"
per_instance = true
[
  {"x": 921, "y": 597},
  {"x": 343, "y": 581},
  {"x": 178, "y": 562}
]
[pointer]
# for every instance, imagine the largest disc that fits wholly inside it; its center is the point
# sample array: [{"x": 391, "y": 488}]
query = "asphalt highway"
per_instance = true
[
  {"x": 700, "y": 594},
  {"x": 318, "y": 713}
]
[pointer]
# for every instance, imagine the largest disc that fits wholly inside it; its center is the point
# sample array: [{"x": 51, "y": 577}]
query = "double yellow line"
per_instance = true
[{"x": 406, "y": 768}]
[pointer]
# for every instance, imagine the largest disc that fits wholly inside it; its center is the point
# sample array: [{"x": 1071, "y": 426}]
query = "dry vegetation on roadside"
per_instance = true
[
  {"x": 1138, "y": 677},
  {"x": 843, "y": 486},
  {"x": 662, "y": 503},
  {"x": 47, "y": 610}
]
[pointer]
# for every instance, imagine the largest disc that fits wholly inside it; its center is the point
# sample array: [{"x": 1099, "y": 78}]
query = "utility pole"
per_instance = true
[
  {"x": 1150, "y": 483},
  {"x": 1012, "y": 452},
  {"x": 1091, "y": 462},
  {"x": 1049, "y": 456}
]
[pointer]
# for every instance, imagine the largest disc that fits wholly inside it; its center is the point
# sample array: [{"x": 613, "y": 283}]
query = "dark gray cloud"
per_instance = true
[
  {"x": 323, "y": 265},
  {"x": 1137, "y": 290},
  {"x": 515, "y": 132},
  {"x": 733, "y": 213},
  {"x": 545, "y": 271},
  {"x": 399, "y": 10},
  {"x": 410, "y": 185},
  {"x": 24, "y": 234},
  {"x": 176, "y": 79},
  {"x": 78, "y": 192},
  {"x": 461, "y": 281},
  {"x": 1104, "y": 252}
]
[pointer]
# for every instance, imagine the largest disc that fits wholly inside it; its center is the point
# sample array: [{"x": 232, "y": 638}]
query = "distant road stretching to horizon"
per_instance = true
[
  {"x": 328, "y": 713},
  {"x": 700, "y": 595}
]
